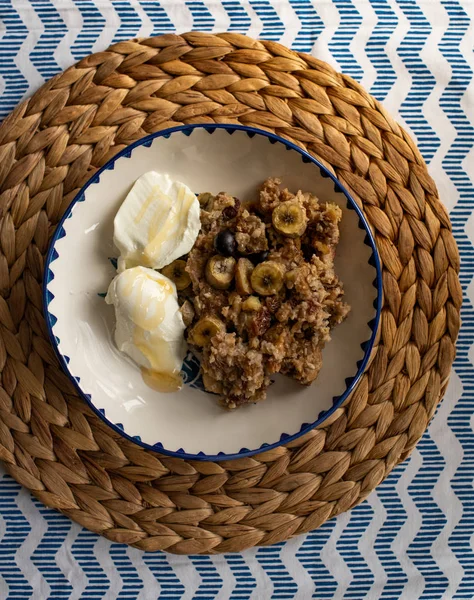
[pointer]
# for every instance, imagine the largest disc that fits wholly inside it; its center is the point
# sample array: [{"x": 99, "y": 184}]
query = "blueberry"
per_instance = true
[
  {"x": 259, "y": 257},
  {"x": 225, "y": 243}
]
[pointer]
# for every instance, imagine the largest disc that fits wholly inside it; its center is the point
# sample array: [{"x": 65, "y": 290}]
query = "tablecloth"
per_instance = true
[{"x": 413, "y": 538}]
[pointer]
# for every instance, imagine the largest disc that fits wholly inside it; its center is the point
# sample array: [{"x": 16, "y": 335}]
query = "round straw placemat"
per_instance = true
[{"x": 52, "y": 443}]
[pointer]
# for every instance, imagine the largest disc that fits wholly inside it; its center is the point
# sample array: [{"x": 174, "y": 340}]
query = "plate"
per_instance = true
[{"x": 81, "y": 263}]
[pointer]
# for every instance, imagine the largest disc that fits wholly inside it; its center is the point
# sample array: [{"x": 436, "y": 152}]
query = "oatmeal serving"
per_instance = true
[{"x": 258, "y": 291}]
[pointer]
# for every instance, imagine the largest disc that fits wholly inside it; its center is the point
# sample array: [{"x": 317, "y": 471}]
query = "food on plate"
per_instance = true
[
  {"x": 205, "y": 329},
  {"x": 220, "y": 271},
  {"x": 243, "y": 272},
  {"x": 149, "y": 325},
  {"x": 157, "y": 223},
  {"x": 289, "y": 218},
  {"x": 267, "y": 278},
  {"x": 264, "y": 293},
  {"x": 249, "y": 285},
  {"x": 176, "y": 271}
]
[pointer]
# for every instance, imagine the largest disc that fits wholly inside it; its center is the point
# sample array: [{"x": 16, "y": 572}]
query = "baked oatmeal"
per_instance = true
[{"x": 264, "y": 294}]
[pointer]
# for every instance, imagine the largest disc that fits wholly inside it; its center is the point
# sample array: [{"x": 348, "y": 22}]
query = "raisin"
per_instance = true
[
  {"x": 229, "y": 212},
  {"x": 273, "y": 303},
  {"x": 260, "y": 322}
]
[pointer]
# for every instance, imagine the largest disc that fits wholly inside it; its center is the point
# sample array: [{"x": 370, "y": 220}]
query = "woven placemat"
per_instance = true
[{"x": 49, "y": 439}]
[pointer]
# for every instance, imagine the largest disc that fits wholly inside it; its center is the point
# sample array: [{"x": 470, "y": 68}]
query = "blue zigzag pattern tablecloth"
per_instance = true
[{"x": 413, "y": 538}]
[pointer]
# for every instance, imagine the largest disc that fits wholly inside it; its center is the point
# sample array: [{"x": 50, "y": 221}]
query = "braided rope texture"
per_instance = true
[{"x": 54, "y": 445}]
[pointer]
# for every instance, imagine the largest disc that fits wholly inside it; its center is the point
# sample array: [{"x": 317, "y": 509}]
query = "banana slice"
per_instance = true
[
  {"x": 291, "y": 277},
  {"x": 267, "y": 278},
  {"x": 242, "y": 276},
  {"x": 204, "y": 198},
  {"x": 220, "y": 271},
  {"x": 251, "y": 304},
  {"x": 289, "y": 219},
  {"x": 205, "y": 329},
  {"x": 176, "y": 271}
]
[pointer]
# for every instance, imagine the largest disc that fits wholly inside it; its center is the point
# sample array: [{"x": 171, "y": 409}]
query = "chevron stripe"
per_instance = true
[
  {"x": 288, "y": 16},
  {"x": 365, "y": 33},
  {"x": 376, "y": 49},
  {"x": 110, "y": 586},
  {"x": 396, "y": 532},
  {"x": 211, "y": 581},
  {"x": 220, "y": 16},
  {"x": 93, "y": 24},
  {"x": 259, "y": 576},
  {"x": 16, "y": 529},
  {"x": 367, "y": 546},
  {"x": 331, "y": 20},
  {"x": 226, "y": 577},
  {"x": 3, "y": 531},
  {"x": 423, "y": 80},
  {"x": 239, "y": 18},
  {"x": 159, "y": 18},
  {"x": 398, "y": 91},
  {"x": 169, "y": 585},
  {"x": 310, "y": 556},
  {"x": 202, "y": 18},
  {"x": 73, "y": 23},
  {"x": 412, "y": 539},
  {"x": 311, "y": 25},
  {"x": 83, "y": 549},
  {"x": 434, "y": 59},
  {"x": 443, "y": 494},
  {"x": 348, "y": 548},
  {"x": 273, "y": 27},
  {"x": 433, "y": 521},
  {"x": 69, "y": 565},
  {"x": 340, "y": 45},
  {"x": 54, "y": 30},
  {"x": 131, "y": 582},
  {"x": 54, "y": 530},
  {"x": 458, "y": 37},
  {"x": 305, "y": 585},
  {"x": 333, "y": 559},
  {"x": 245, "y": 584},
  {"x": 284, "y": 586},
  {"x": 14, "y": 35},
  {"x": 129, "y": 20}
]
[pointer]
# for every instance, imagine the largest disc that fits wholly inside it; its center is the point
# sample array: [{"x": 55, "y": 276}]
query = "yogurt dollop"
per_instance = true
[{"x": 149, "y": 326}]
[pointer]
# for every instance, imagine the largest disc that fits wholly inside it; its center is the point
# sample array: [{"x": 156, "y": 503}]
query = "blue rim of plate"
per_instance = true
[{"x": 367, "y": 346}]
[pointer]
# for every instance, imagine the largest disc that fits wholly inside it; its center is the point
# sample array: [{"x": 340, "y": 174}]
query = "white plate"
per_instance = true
[{"x": 79, "y": 269}]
